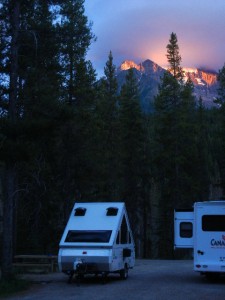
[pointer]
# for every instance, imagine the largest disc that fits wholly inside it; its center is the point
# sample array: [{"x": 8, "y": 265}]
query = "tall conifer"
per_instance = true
[
  {"x": 221, "y": 102},
  {"x": 107, "y": 114},
  {"x": 174, "y": 128},
  {"x": 132, "y": 153}
]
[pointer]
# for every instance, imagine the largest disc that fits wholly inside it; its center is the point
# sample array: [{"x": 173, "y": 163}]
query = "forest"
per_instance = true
[{"x": 66, "y": 136}]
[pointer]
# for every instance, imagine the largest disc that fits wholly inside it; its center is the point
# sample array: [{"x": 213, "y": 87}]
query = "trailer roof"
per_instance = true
[
  {"x": 217, "y": 202},
  {"x": 95, "y": 216}
]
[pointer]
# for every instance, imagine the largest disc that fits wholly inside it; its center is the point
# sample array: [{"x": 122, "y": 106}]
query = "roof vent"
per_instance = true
[
  {"x": 80, "y": 211},
  {"x": 112, "y": 211}
]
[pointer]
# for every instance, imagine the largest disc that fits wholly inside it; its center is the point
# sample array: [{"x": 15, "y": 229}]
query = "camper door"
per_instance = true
[{"x": 183, "y": 229}]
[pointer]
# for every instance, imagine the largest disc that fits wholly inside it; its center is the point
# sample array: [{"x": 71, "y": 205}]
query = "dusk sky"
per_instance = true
[{"x": 140, "y": 29}]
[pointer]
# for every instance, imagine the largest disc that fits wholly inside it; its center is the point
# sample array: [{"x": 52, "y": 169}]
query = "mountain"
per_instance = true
[
  {"x": 149, "y": 76},
  {"x": 205, "y": 84}
]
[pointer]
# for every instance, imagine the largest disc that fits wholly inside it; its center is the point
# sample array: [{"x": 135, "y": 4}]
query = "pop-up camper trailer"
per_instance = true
[
  {"x": 203, "y": 229},
  {"x": 97, "y": 240}
]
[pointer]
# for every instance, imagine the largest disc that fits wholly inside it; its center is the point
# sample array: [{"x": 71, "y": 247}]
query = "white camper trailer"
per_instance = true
[
  {"x": 97, "y": 240},
  {"x": 203, "y": 229}
]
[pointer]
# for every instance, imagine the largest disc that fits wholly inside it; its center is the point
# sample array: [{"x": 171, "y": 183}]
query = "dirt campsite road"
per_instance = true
[{"x": 150, "y": 279}]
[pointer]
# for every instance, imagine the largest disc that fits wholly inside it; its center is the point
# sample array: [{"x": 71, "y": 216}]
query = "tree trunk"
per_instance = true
[
  {"x": 155, "y": 219},
  {"x": 8, "y": 223},
  {"x": 10, "y": 170},
  {"x": 15, "y": 13}
]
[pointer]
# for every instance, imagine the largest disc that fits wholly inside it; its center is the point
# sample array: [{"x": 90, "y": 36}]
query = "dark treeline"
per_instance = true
[{"x": 66, "y": 136}]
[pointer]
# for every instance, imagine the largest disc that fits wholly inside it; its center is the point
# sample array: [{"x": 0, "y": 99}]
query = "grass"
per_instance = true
[{"x": 8, "y": 288}]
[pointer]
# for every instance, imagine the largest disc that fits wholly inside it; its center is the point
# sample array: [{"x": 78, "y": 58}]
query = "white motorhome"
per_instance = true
[
  {"x": 97, "y": 240},
  {"x": 203, "y": 229}
]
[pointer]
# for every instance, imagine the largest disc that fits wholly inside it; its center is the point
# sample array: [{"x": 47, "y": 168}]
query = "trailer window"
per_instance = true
[
  {"x": 213, "y": 223},
  {"x": 88, "y": 236},
  {"x": 123, "y": 236},
  {"x": 186, "y": 229}
]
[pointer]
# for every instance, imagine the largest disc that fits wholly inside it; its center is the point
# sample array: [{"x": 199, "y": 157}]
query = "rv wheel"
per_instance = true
[
  {"x": 124, "y": 273},
  {"x": 212, "y": 276}
]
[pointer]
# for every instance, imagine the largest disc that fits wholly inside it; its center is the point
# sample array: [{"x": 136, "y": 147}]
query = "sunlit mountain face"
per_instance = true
[
  {"x": 129, "y": 64},
  {"x": 149, "y": 76},
  {"x": 200, "y": 77}
]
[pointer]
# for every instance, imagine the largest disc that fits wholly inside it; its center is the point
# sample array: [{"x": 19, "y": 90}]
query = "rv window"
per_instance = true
[
  {"x": 186, "y": 230},
  {"x": 213, "y": 223},
  {"x": 88, "y": 236}
]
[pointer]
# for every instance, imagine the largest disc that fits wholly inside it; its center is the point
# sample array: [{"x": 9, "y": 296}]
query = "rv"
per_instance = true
[
  {"x": 203, "y": 229},
  {"x": 97, "y": 240}
]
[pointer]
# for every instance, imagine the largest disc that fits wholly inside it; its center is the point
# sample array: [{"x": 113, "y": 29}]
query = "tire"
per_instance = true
[
  {"x": 124, "y": 273},
  {"x": 212, "y": 276}
]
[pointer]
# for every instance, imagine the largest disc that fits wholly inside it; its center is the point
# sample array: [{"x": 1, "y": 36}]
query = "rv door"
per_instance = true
[{"x": 183, "y": 229}]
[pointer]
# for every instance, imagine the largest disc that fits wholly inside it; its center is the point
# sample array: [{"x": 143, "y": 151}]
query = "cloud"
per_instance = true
[{"x": 141, "y": 30}]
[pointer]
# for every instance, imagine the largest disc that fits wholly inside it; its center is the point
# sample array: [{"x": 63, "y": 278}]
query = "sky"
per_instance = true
[{"x": 140, "y": 29}]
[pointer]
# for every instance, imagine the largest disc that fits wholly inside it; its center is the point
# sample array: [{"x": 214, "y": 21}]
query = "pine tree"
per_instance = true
[
  {"x": 83, "y": 132},
  {"x": 132, "y": 145},
  {"x": 75, "y": 38},
  {"x": 10, "y": 166},
  {"x": 187, "y": 159},
  {"x": 34, "y": 116},
  {"x": 107, "y": 118},
  {"x": 204, "y": 157},
  {"x": 175, "y": 136},
  {"x": 174, "y": 58},
  {"x": 221, "y": 145},
  {"x": 221, "y": 91},
  {"x": 111, "y": 81},
  {"x": 168, "y": 106}
]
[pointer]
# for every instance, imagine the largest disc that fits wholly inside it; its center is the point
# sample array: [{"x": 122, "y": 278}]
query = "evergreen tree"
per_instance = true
[
  {"x": 75, "y": 38},
  {"x": 187, "y": 159},
  {"x": 204, "y": 158},
  {"x": 10, "y": 165},
  {"x": 4, "y": 54},
  {"x": 221, "y": 145},
  {"x": 110, "y": 81},
  {"x": 34, "y": 119},
  {"x": 175, "y": 135},
  {"x": 132, "y": 154},
  {"x": 107, "y": 118},
  {"x": 84, "y": 130},
  {"x": 221, "y": 91},
  {"x": 174, "y": 58}
]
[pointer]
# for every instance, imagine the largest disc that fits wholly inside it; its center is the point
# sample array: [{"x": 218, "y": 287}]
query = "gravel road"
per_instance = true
[{"x": 150, "y": 279}]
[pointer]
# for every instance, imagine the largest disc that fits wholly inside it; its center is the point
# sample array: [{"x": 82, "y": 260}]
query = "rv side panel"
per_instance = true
[{"x": 183, "y": 229}]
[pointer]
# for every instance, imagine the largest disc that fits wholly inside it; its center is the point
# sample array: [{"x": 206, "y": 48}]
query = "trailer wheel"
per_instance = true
[
  {"x": 104, "y": 277},
  {"x": 71, "y": 277},
  {"x": 124, "y": 272}
]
